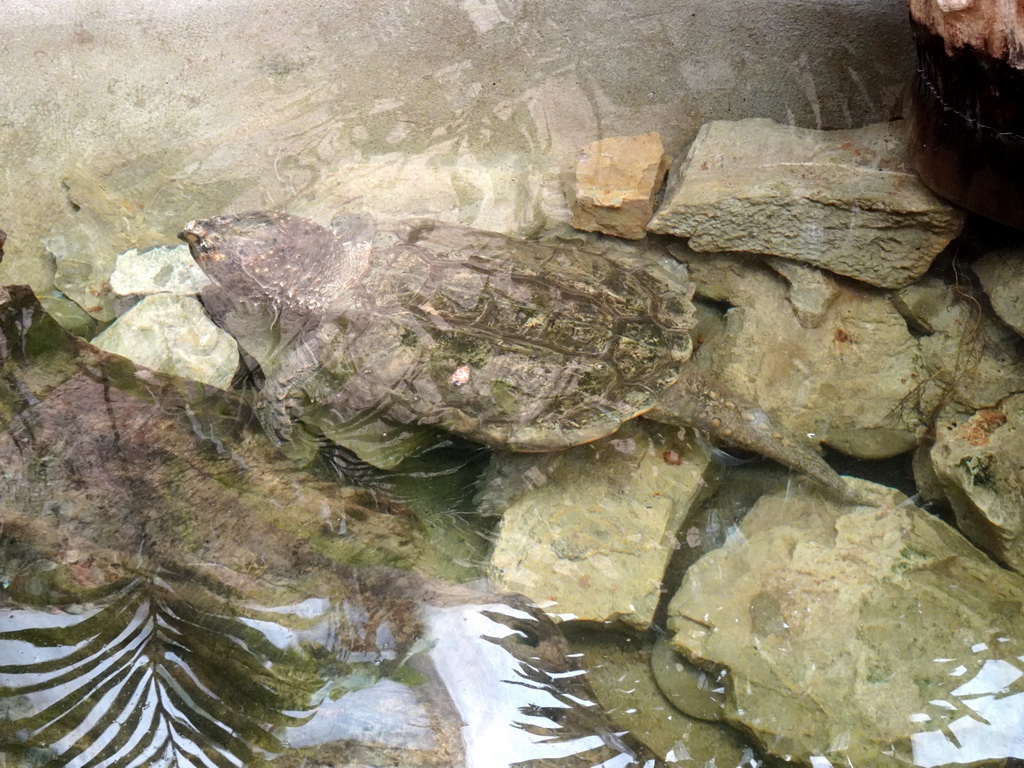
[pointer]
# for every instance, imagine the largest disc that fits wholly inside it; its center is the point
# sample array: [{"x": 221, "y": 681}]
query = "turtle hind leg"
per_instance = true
[{"x": 698, "y": 401}]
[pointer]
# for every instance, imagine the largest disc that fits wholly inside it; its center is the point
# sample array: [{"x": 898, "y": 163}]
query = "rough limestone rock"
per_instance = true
[
  {"x": 172, "y": 334},
  {"x": 734, "y": 279},
  {"x": 979, "y": 460},
  {"x": 724, "y": 277},
  {"x": 1002, "y": 276},
  {"x": 967, "y": 355},
  {"x": 591, "y": 536},
  {"x": 811, "y": 290},
  {"x": 841, "y": 200},
  {"x": 83, "y": 266},
  {"x": 848, "y": 379},
  {"x": 858, "y": 635},
  {"x": 613, "y": 184},
  {"x": 163, "y": 269}
]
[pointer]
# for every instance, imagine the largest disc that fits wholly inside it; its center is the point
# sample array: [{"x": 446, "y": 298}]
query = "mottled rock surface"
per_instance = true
[
  {"x": 70, "y": 315},
  {"x": 1002, "y": 276},
  {"x": 173, "y": 335},
  {"x": 967, "y": 355},
  {"x": 841, "y": 200},
  {"x": 979, "y": 460},
  {"x": 591, "y": 535},
  {"x": 861, "y": 635},
  {"x": 811, "y": 290},
  {"x": 613, "y": 184},
  {"x": 157, "y": 270},
  {"x": 850, "y": 367}
]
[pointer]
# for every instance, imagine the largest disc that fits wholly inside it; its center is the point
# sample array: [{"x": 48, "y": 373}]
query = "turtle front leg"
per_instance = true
[
  {"x": 281, "y": 402},
  {"x": 698, "y": 401}
]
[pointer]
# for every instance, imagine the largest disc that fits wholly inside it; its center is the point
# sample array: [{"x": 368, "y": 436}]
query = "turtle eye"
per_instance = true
[
  {"x": 210, "y": 246},
  {"x": 210, "y": 251}
]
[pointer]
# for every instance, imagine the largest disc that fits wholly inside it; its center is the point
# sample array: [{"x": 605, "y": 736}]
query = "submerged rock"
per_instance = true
[
  {"x": 841, "y": 200},
  {"x": 172, "y": 334},
  {"x": 1002, "y": 276},
  {"x": 613, "y": 184},
  {"x": 858, "y": 635},
  {"x": 811, "y": 290},
  {"x": 70, "y": 315},
  {"x": 967, "y": 355},
  {"x": 82, "y": 270},
  {"x": 163, "y": 269},
  {"x": 592, "y": 533},
  {"x": 85, "y": 241},
  {"x": 978, "y": 459},
  {"x": 850, "y": 367}
]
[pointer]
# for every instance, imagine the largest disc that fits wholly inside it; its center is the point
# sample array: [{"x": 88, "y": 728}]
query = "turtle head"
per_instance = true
[{"x": 272, "y": 258}]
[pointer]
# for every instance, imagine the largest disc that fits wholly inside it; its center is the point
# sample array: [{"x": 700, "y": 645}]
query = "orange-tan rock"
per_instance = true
[{"x": 613, "y": 184}]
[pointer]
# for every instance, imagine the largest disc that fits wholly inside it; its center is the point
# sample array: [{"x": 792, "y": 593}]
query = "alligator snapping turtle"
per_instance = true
[{"x": 511, "y": 343}]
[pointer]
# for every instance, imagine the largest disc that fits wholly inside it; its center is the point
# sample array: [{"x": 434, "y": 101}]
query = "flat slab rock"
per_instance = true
[
  {"x": 842, "y": 200},
  {"x": 967, "y": 355},
  {"x": 851, "y": 365},
  {"x": 858, "y": 635},
  {"x": 593, "y": 532},
  {"x": 164, "y": 269}
]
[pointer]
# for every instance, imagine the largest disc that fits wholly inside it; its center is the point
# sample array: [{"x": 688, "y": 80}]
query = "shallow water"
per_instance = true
[{"x": 141, "y": 628}]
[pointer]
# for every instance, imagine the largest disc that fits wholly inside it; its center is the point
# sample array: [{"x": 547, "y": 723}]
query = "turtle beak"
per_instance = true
[
  {"x": 191, "y": 234},
  {"x": 195, "y": 234}
]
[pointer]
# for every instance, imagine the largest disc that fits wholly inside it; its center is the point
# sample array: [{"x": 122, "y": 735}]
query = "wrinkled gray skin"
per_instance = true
[{"x": 511, "y": 343}]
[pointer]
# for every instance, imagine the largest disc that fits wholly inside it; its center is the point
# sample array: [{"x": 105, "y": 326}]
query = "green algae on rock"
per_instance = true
[{"x": 862, "y": 635}]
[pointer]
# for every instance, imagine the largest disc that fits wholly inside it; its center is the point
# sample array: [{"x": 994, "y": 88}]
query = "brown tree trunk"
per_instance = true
[{"x": 967, "y": 110}]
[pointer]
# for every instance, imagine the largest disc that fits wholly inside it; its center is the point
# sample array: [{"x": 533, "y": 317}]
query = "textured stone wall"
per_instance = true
[{"x": 134, "y": 116}]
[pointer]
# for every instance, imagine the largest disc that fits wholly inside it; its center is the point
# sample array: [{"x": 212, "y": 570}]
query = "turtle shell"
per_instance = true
[{"x": 512, "y": 343}]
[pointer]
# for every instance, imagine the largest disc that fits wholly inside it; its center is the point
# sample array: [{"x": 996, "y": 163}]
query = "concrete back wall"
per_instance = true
[{"x": 142, "y": 114}]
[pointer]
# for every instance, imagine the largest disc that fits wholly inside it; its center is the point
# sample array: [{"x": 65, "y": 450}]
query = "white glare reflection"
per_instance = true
[
  {"x": 993, "y": 724},
  {"x": 478, "y": 676},
  {"x": 995, "y": 676}
]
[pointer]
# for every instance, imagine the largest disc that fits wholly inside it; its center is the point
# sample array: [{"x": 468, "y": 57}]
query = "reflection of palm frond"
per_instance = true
[
  {"x": 563, "y": 709},
  {"x": 148, "y": 679}
]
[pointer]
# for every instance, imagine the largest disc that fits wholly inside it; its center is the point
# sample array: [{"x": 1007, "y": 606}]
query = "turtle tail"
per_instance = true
[{"x": 697, "y": 400}]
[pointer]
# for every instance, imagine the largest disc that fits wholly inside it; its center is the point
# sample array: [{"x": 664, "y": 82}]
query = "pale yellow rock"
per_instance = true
[
  {"x": 172, "y": 334},
  {"x": 592, "y": 535},
  {"x": 977, "y": 460},
  {"x": 613, "y": 184}
]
